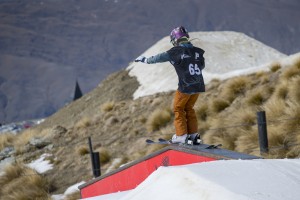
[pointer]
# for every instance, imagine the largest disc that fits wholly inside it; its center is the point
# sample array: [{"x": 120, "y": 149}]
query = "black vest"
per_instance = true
[{"x": 188, "y": 63}]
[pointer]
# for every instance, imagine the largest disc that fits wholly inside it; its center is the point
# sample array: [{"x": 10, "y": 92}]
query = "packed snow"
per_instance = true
[
  {"x": 227, "y": 54},
  {"x": 259, "y": 179}
]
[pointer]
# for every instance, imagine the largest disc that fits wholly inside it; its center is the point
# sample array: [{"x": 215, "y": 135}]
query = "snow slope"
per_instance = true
[
  {"x": 226, "y": 179},
  {"x": 227, "y": 54}
]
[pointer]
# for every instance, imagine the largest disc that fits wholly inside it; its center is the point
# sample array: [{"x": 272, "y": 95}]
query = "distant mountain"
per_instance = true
[{"x": 46, "y": 45}]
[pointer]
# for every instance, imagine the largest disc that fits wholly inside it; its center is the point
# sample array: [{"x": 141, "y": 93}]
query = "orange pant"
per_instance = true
[{"x": 185, "y": 117}]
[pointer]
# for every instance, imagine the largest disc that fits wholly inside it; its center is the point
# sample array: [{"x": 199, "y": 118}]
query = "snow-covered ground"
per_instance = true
[
  {"x": 226, "y": 179},
  {"x": 227, "y": 54}
]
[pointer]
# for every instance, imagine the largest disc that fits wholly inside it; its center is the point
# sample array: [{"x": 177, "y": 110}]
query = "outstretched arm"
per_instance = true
[{"x": 162, "y": 57}]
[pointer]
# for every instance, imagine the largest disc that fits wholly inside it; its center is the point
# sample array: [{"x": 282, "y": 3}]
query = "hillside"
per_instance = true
[
  {"x": 46, "y": 45},
  {"x": 118, "y": 125}
]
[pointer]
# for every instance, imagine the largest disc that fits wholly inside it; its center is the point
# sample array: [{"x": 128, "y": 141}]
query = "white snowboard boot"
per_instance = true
[{"x": 179, "y": 139}]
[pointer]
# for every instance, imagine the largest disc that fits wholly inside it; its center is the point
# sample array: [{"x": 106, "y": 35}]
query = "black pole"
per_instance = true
[
  {"x": 92, "y": 155},
  {"x": 262, "y": 132},
  {"x": 97, "y": 169}
]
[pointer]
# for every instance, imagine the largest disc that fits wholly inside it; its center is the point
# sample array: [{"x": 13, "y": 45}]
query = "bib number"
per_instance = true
[{"x": 194, "y": 69}]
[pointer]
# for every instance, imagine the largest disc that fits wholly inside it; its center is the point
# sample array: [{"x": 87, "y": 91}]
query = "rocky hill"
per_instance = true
[{"x": 46, "y": 45}]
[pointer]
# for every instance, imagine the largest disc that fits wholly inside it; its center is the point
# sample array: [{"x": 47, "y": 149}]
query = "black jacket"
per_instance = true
[{"x": 188, "y": 63}]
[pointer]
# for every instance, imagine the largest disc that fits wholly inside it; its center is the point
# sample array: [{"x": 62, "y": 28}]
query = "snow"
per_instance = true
[
  {"x": 41, "y": 165},
  {"x": 260, "y": 179},
  {"x": 227, "y": 54},
  {"x": 69, "y": 190}
]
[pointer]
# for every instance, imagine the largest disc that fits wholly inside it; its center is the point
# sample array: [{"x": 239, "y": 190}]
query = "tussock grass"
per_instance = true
[
  {"x": 104, "y": 155},
  {"x": 235, "y": 87},
  {"x": 235, "y": 124},
  {"x": 23, "y": 139},
  {"x": 247, "y": 142},
  {"x": 158, "y": 119},
  {"x": 29, "y": 184},
  {"x": 281, "y": 91},
  {"x": 275, "y": 67},
  {"x": 274, "y": 107},
  {"x": 293, "y": 112},
  {"x": 202, "y": 111},
  {"x": 6, "y": 140},
  {"x": 258, "y": 96},
  {"x": 217, "y": 105},
  {"x": 108, "y": 106},
  {"x": 83, "y": 123},
  {"x": 83, "y": 150},
  {"x": 290, "y": 72},
  {"x": 73, "y": 196},
  {"x": 255, "y": 98},
  {"x": 167, "y": 131},
  {"x": 294, "y": 151},
  {"x": 260, "y": 74},
  {"x": 294, "y": 89}
]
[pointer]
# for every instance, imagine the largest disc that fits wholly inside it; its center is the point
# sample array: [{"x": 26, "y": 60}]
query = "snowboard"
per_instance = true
[{"x": 166, "y": 142}]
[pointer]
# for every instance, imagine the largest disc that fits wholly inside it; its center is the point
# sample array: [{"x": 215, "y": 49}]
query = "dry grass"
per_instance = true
[
  {"x": 275, "y": 67},
  {"x": 258, "y": 96},
  {"x": 158, "y": 119},
  {"x": 108, "y": 106},
  {"x": 6, "y": 140},
  {"x": 274, "y": 108},
  {"x": 235, "y": 87},
  {"x": 36, "y": 187},
  {"x": 290, "y": 72},
  {"x": 73, "y": 196},
  {"x": 104, "y": 155},
  {"x": 283, "y": 112},
  {"x": 281, "y": 91},
  {"x": 23, "y": 139},
  {"x": 294, "y": 89},
  {"x": 83, "y": 123},
  {"x": 293, "y": 113},
  {"x": 83, "y": 150},
  {"x": 202, "y": 111},
  {"x": 218, "y": 105},
  {"x": 247, "y": 142}
]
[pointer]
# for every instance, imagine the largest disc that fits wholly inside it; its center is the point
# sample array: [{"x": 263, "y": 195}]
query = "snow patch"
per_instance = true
[{"x": 41, "y": 165}]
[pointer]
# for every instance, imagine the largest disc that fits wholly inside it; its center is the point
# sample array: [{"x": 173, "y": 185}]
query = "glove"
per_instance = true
[{"x": 141, "y": 59}]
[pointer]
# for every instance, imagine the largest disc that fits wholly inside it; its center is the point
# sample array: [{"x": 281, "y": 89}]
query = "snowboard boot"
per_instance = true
[
  {"x": 195, "y": 138},
  {"x": 183, "y": 139}
]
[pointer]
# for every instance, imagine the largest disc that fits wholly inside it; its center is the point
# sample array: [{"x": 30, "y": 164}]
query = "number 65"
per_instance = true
[{"x": 194, "y": 69}]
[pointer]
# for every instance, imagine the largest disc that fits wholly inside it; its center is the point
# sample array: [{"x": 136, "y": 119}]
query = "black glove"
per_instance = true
[{"x": 141, "y": 59}]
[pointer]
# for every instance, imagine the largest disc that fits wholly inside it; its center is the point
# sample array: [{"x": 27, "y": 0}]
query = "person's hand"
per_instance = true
[{"x": 141, "y": 59}]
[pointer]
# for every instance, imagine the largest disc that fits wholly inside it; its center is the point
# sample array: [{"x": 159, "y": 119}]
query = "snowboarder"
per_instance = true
[{"x": 188, "y": 62}]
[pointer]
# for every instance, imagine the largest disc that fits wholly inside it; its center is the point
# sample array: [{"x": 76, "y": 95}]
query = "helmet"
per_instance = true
[{"x": 178, "y": 33}]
